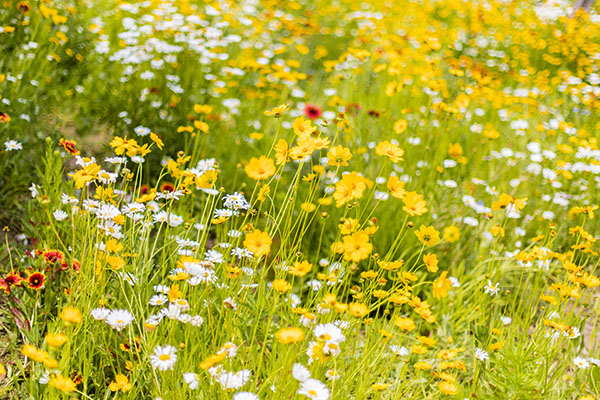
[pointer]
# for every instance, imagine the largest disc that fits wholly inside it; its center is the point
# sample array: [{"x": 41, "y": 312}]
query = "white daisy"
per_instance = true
[
  {"x": 59, "y": 215},
  {"x": 481, "y": 354},
  {"x": 164, "y": 357},
  {"x": 314, "y": 389},
  {"x": 231, "y": 380},
  {"x": 191, "y": 380},
  {"x": 300, "y": 372},
  {"x": 119, "y": 319},
  {"x": 100, "y": 313},
  {"x": 158, "y": 300},
  {"x": 11, "y": 145},
  {"x": 581, "y": 363}
]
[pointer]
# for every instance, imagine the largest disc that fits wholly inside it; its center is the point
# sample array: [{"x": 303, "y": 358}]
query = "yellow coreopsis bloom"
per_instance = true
[
  {"x": 351, "y": 186},
  {"x": 431, "y": 262},
  {"x": 85, "y": 175},
  {"x": 405, "y": 323},
  {"x": 258, "y": 242},
  {"x": 281, "y": 286},
  {"x": 300, "y": 268},
  {"x": 428, "y": 235},
  {"x": 56, "y": 339},
  {"x": 339, "y": 156},
  {"x": 70, "y": 315},
  {"x": 282, "y": 154},
  {"x": 442, "y": 285},
  {"x": 289, "y": 335},
  {"x": 451, "y": 233},
  {"x": 357, "y": 246},
  {"x": 157, "y": 140},
  {"x": 448, "y": 388},
  {"x": 358, "y": 310},
  {"x": 277, "y": 111},
  {"x": 303, "y": 127},
  {"x": 389, "y": 150},
  {"x": 396, "y": 187},
  {"x": 64, "y": 384},
  {"x": 121, "y": 383},
  {"x": 260, "y": 168},
  {"x": 400, "y": 126},
  {"x": 414, "y": 204}
]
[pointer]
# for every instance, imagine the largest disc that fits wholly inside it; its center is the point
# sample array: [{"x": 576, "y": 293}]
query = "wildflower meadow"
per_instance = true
[{"x": 309, "y": 199}]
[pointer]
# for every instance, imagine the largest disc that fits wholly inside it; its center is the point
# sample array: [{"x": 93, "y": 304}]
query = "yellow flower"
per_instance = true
[
  {"x": 400, "y": 126},
  {"x": 212, "y": 360},
  {"x": 357, "y": 246},
  {"x": 380, "y": 386},
  {"x": 282, "y": 154},
  {"x": 34, "y": 353},
  {"x": 281, "y": 286},
  {"x": 70, "y": 315},
  {"x": 264, "y": 191},
  {"x": 303, "y": 127},
  {"x": 289, "y": 335},
  {"x": 121, "y": 383},
  {"x": 442, "y": 285},
  {"x": 260, "y": 168},
  {"x": 405, "y": 323},
  {"x": 422, "y": 366},
  {"x": 339, "y": 156},
  {"x": 300, "y": 268},
  {"x": 157, "y": 140},
  {"x": 414, "y": 204},
  {"x": 56, "y": 339},
  {"x": 63, "y": 384},
  {"x": 389, "y": 150},
  {"x": 497, "y": 230},
  {"x": 115, "y": 262},
  {"x": 202, "y": 108},
  {"x": 396, "y": 187},
  {"x": 431, "y": 262},
  {"x": 258, "y": 242},
  {"x": 351, "y": 186},
  {"x": 304, "y": 148},
  {"x": 277, "y": 111},
  {"x": 85, "y": 175},
  {"x": 348, "y": 225},
  {"x": 448, "y": 388},
  {"x": 308, "y": 207},
  {"x": 122, "y": 145},
  {"x": 455, "y": 150},
  {"x": 451, "y": 234},
  {"x": 201, "y": 126},
  {"x": 428, "y": 235},
  {"x": 358, "y": 310}
]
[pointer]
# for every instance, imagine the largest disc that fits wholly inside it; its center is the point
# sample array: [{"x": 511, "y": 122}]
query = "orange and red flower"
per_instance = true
[
  {"x": 36, "y": 280},
  {"x": 69, "y": 145}
]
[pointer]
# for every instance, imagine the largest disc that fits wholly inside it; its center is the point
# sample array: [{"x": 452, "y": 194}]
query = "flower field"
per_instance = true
[{"x": 313, "y": 199}]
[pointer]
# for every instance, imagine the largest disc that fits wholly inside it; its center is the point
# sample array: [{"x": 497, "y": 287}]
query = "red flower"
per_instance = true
[
  {"x": 312, "y": 111},
  {"x": 36, "y": 281},
  {"x": 76, "y": 266},
  {"x": 13, "y": 279},
  {"x": 4, "y": 286},
  {"x": 69, "y": 145},
  {"x": 53, "y": 256},
  {"x": 167, "y": 187}
]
